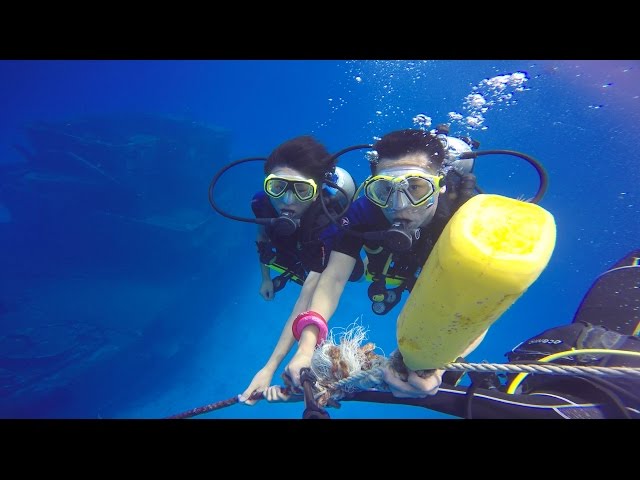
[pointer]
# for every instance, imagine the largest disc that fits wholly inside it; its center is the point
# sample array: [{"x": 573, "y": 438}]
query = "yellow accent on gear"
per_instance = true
[
  {"x": 278, "y": 269},
  {"x": 489, "y": 253},
  {"x": 389, "y": 281}
]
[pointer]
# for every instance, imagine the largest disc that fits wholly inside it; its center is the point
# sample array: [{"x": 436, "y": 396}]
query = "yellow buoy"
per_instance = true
[{"x": 489, "y": 253}]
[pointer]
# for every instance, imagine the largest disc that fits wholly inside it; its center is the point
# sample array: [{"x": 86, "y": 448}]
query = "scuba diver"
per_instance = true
[
  {"x": 414, "y": 189},
  {"x": 291, "y": 239},
  {"x": 302, "y": 186},
  {"x": 404, "y": 210}
]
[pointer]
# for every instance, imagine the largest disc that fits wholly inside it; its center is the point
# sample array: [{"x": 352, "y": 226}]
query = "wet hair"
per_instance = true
[
  {"x": 303, "y": 153},
  {"x": 404, "y": 142}
]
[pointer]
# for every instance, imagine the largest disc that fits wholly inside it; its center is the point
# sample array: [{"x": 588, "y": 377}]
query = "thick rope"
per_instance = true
[
  {"x": 366, "y": 379},
  {"x": 547, "y": 369},
  {"x": 205, "y": 408},
  {"x": 222, "y": 404}
]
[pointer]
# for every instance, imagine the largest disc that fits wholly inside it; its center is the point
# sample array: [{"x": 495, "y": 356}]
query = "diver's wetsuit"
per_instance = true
[
  {"x": 386, "y": 269},
  {"x": 306, "y": 250},
  {"x": 607, "y": 318}
]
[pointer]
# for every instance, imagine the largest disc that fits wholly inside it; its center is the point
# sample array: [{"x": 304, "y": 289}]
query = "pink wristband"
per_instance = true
[{"x": 305, "y": 319}]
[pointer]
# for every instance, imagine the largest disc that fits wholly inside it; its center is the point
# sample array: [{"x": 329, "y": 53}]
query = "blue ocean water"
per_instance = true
[{"x": 124, "y": 295}]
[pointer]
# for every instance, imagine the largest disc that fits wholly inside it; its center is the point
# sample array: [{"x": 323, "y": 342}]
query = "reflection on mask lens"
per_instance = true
[
  {"x": 275, "y": 187},
  {"x": 417, "y": 188}
]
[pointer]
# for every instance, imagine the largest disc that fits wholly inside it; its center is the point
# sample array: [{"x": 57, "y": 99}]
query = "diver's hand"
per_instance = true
[
  {"x": 275, "y": 393},
  {"x": 412, "y": 385},
  {"x": 259, "y": 384},
  {"x": 266, "y": 289},
  {"x": 299, "y": 361}
]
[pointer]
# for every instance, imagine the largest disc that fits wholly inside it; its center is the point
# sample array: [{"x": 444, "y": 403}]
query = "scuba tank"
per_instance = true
[
  {"x": 455, "y": 147},
  {"x": 458, "y": 167},
  {"x": 343, "y": 179}
]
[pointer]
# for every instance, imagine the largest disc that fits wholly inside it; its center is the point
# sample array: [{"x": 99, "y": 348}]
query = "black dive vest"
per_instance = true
[{"x": 294, "y": 256}]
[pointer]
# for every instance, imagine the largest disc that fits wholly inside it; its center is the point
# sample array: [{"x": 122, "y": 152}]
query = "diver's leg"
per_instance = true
[{"x": 613, "y": 300}]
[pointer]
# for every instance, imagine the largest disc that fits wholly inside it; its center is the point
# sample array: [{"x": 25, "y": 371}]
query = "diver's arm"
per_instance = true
[
  {"x": 286, "y": 340},
  {"x": 405, "y": 383},
  {"x": 264, "y": 272},
  {"x": 331, "y": 284},
  {"x": 262, "y": 380},
  {"x": 327, "y": 295},
  {"x": 324, "y": 302}
]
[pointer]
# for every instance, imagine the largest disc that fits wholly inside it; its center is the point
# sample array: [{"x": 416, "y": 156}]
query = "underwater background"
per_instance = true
[{"x": 124, "y": 295}]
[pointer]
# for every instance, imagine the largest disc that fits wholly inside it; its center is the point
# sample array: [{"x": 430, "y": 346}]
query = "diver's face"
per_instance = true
[
  {"x": 400, "y": 208},
  {"x": 289, "y": 203}
]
